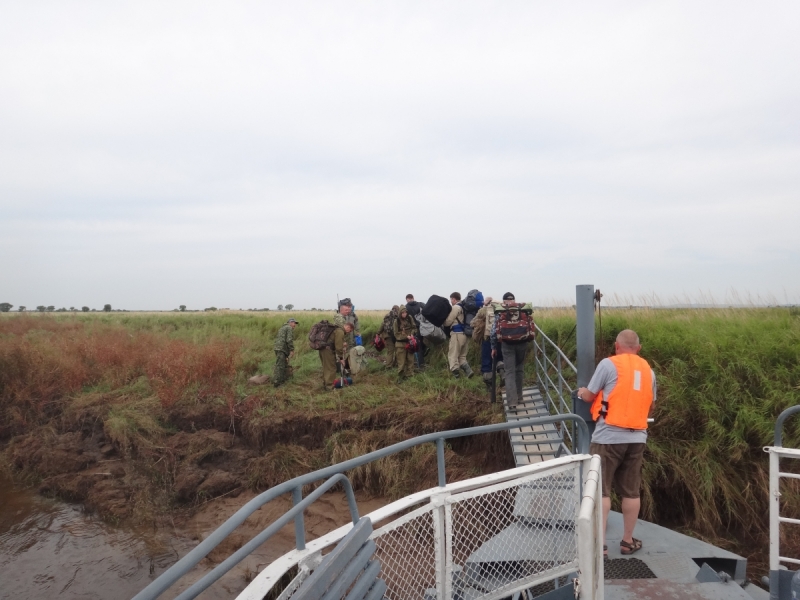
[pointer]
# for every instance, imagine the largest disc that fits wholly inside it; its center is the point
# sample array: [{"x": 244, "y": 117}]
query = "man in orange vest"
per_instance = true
[{"x": 622, "y": 392}]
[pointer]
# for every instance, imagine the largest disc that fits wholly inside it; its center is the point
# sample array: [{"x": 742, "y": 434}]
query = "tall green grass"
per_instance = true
[{"x": 724, "y": 375}]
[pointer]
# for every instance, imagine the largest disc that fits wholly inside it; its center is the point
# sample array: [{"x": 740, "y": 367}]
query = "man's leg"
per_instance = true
[
  {"x": 391, "y": 361},
  {"x": 610, "y": 457},
  {"x": 421, "y": 353},
  {"x": 328, "y": 367},
  {"x": 486, "y": 363},
  {"x": 606, "y": 510},
  {"x": 628, "y": 479},
  {"x": 519, "y": 367},
  {"x": 402, "y": 358},
  {"x": 452, "y": 354},
  {"x": 630, "y": 513},
  {"x": 509, "y": 358},
  {"x": 279, "y": 372}
]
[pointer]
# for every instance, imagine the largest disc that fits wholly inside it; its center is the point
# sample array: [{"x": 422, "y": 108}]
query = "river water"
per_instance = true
[{"x": 50, "y": 549}]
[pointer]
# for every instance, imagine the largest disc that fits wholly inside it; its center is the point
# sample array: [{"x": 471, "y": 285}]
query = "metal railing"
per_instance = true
[
  {"x": 557, "y": 377},
  {"x": 484, "y": 538},
  {"x": 778, "y": 584},
  {"x": 295, "y": 487}
]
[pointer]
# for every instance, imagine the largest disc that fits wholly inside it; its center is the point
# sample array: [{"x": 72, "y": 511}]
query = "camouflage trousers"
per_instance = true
[
  {"x": 281, "y": 372},
  {"x": 391, "y": 358}
]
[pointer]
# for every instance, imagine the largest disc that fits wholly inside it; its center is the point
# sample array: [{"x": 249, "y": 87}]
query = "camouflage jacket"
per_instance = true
[
  {"x": 340, "y": 320},
  {"x": 387, "y": 326},
  {"x": 404, "y": 328},
  {"x": 284, "y": 342}
]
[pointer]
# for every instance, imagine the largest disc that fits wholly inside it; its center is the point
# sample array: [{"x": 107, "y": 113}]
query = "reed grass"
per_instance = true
[{"x": 724, "y": 374}]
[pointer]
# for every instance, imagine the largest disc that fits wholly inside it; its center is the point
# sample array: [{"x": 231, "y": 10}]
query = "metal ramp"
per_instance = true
[{"x": 534, "y": 443}]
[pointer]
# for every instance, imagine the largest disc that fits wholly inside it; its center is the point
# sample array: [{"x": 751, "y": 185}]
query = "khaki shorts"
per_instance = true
[{"x": 622, "y": 465}]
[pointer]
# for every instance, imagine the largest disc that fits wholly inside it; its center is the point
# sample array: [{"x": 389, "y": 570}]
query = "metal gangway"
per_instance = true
[
  {"x": 556, "y": 377},
  {"x": 489, "y": 537}
]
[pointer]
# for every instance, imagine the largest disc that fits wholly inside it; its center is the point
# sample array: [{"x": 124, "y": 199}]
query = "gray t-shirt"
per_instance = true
[{"x": 605, "y": 378}]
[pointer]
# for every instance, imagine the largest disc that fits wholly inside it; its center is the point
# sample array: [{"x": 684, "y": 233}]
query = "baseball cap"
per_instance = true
[{"x": 292, "y": 321}]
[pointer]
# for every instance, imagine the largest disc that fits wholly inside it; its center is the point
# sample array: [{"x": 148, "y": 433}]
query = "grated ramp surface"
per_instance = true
[{"x": 531, "y": 444}]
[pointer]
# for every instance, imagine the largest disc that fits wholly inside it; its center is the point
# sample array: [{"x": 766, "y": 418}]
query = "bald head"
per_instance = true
[{"x": 627, "y": 342}]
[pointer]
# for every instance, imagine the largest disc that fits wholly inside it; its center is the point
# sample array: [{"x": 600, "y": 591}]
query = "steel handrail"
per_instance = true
[
  {"x": 180, "y": 568},
  {"x": 234, "y": 559},
  {"x": 779, "y": 423},
  {"x": 561, "y": 352},
  {"x": 560, "y": 376}
]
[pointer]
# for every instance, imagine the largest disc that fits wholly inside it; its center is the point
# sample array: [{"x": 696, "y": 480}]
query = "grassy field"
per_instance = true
[{"x": 165, "y": 399}]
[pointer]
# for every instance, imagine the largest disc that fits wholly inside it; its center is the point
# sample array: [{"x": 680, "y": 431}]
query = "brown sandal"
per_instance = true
[{"x": 627, "y": 548}]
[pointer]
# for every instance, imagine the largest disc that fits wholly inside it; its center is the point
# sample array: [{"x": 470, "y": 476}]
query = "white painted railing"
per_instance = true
[{"x": 483, "y": 538}]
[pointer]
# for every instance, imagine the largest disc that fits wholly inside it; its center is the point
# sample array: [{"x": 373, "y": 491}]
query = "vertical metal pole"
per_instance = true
[
  {"x": 584, "y": 333},
  {"x": 299, "y": 525},
  {"x": 440, "y": 462},
  {"x": 774, "y": 525}
]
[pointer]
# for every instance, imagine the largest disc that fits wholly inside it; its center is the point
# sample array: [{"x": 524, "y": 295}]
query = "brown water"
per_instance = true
[{"x": 50, "y": 549}]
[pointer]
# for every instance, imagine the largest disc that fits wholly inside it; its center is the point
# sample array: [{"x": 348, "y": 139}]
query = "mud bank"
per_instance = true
[
  {"x": 56, "y": 550},
  {"x": 145, "y": 481}
]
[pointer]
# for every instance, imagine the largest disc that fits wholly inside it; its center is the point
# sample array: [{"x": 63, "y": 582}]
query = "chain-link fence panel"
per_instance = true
[
  {"x": 505, "y": 536},
  {"x": 407, "y": 550}
]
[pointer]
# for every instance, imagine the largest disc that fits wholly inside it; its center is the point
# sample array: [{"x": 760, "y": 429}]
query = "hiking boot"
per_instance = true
[
  {"x": 467, "y": 370},
  {"x": 401, "y": 379},
  {"x": 487, "y": 381},
  {"x": 456, "y": 373}
]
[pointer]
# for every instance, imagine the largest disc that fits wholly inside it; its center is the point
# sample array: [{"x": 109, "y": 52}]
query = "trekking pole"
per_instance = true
[{"x": 493, "y": 389}]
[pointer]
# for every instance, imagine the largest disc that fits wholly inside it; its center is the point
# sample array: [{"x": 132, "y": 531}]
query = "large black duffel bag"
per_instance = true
[{"x": 436, "y": 310}]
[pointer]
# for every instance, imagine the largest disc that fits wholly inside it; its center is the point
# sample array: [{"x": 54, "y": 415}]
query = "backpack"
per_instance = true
[
  {"x": 436, "y": 310},
  {"x": 378, "y": 342},
  {"x": 472, "y": 302},
  {"x": 425, "y": 327},
  {"x": 319, "y": 334},
  {"x": 478, "y": 326},
  {"x": 388, "y": 323},
  {"x": 514, "y": 323},
  {"x": 437, "y": 336}
]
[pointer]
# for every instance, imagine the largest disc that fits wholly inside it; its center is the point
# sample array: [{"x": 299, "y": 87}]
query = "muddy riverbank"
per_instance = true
[{"x": 53, "y": 549}]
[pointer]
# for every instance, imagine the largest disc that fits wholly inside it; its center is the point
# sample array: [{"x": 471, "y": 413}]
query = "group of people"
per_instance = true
[
  {"x": 508, "y": 344},
  {"x": 622, "y": 391}
]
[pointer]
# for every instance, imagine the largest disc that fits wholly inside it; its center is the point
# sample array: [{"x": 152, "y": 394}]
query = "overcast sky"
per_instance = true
[{"x": 253, "y": 154}]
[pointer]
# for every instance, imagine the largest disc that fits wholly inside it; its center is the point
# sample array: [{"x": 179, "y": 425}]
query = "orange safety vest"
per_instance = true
[{"x": 629, "y": 402}]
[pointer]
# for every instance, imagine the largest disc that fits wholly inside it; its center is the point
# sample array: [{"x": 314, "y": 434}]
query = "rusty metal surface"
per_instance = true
[{"x": 660, "y": 589}]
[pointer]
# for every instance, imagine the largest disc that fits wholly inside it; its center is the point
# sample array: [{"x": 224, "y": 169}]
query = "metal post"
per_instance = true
[
  {"x": 584, "y": 333},
  {"x": 774, "y": 525},
  {"x": 440, "y": 462},
  {"x": 299, "y": 525}
]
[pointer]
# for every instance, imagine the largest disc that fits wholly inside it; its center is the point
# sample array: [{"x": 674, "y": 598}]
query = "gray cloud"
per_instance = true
[{"x": 255, "y": 154}]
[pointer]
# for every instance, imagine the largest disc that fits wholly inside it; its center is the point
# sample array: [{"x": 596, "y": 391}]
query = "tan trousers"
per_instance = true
[
  {"x": 391, "y": 358},
  {"x": 330, "y": 370},
  {"x": 405, "y": 359},
  {"x": 457, "y": 353}
]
